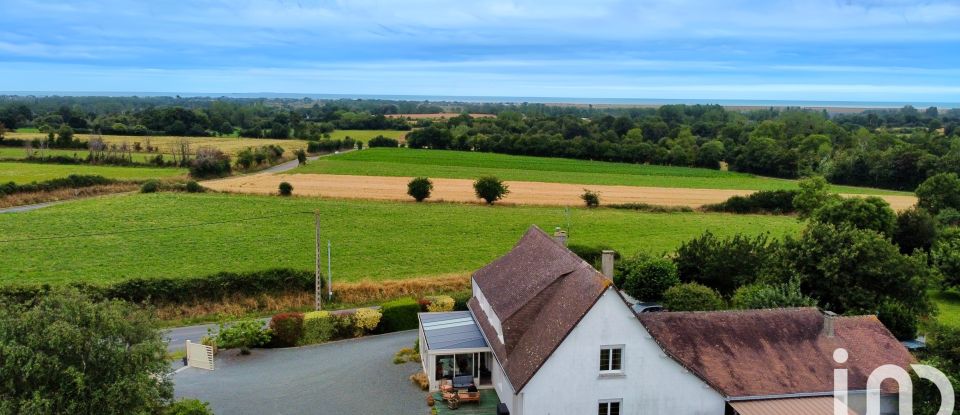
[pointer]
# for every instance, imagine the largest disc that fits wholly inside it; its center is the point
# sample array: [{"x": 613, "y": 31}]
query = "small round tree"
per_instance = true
[
  {"x": 301, "y": 156},
  {"x": 420, "y": 188},
  {"x": 490, "y": 189},
  {"x": 692, "y": 297},
  {"x": 591, "y": 198},
  {"x": 646, "y": 278},
  {"x": 286, "y": 189}
]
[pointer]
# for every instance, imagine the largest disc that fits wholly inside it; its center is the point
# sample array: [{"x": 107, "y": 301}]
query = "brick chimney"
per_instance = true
[
  {"x": 606, "y": 263},
  {"x": 560, "y": 236},
  {"x": 829, "y": 318}
]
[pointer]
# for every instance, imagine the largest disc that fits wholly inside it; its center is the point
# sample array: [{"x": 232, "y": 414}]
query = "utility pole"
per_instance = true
[
  {"x": 318, "y": 279},
  {"x": 329, "y": 274}
]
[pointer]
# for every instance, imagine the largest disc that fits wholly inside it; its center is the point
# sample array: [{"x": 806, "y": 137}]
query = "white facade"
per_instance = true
[{"x": 570, "y": 381}]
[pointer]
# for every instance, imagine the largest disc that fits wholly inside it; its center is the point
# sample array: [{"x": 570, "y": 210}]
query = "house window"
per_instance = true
[
  {"x": 611, "y": 359},
  {"x": 609, "y": 407}
]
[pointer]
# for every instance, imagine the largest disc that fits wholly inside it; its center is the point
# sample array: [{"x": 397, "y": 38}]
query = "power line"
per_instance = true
[{"x": 161, "y": 228}]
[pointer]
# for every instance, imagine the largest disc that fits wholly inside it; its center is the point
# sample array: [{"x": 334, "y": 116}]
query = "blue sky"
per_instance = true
[{"x": 844, "y": 50}]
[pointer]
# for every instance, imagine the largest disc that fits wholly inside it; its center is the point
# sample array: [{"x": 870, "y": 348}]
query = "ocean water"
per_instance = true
[{"x": 519, "y": 99}]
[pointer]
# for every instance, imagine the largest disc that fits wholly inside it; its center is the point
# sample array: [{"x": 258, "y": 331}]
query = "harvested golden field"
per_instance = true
[
  {"x": 461, "y": 190},
  {"x": 229, "y": 145}
]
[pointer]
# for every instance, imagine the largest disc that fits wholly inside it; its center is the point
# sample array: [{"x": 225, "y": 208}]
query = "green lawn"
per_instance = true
[
  {"x": 23, "y": 173},
  {"x": 366, "y": 135},
  {"x": 376, "y": 240},
  {"x": 469, "y": 165},
  {"x": 948, "y": 303}
]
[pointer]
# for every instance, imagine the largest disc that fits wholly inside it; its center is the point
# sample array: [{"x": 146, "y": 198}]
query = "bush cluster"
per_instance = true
[
  {"x": 296, "y": 329},
  {"x": 437, "y": 303},
  {"x": 73, "y": 181},
  {"x": 287, "y": 329},
  {"x": 692, "y": 297},
  {"x": 765, "y": 201},
  {"x": 646, "y": 278},
  {"x": 646, "y": 207},
  {"x": 243, "y": 335},
  {"x": 381, "y": 141},
  {"x": 399, "y": 314},
  {"x": 210, "y": 162},
  {"x": 328, "y": 145},
  {"x": 180, "y": 290}
]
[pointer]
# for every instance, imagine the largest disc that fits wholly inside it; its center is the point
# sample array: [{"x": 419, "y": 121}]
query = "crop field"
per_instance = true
[
  {"x": 366, "y": 135},
  {"x": 470, "y": 165},
  {"x": 23, "y": 173},
  {"x": 229, "y": 145},
  {"x": 153, "y": 235}
]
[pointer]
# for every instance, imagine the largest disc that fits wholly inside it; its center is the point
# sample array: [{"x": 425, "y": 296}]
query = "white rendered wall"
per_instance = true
[{"x": 570, "y": 380}]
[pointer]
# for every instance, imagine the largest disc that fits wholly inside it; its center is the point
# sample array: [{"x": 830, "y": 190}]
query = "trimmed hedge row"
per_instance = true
[
  {"x": 178, "y": 290},
  {"x": 778, "y": 202},
  {"x": 328, "y": 145},
  {"x": 73, "y": 181},
  {"x": 399, "y": 314}
]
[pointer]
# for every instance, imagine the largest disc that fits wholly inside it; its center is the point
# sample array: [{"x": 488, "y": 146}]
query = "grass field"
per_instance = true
[
  {"x": 375, "y": 240},
  {"x": 470, "y": 165},
  {"x": 366, "y": 135},
  {"x": 22, "y": 173},
  {"x": 948, "y": 303}
]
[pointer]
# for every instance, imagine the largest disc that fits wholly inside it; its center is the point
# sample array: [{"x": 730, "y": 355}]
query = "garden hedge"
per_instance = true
[
  {"x": 287, "y": 329},
  {"x": 399, "y": 314},
  {"x": 180, "y": 290}
]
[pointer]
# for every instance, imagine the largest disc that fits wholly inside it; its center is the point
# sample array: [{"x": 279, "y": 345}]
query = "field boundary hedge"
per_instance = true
[{"x": 73, "y": 181}]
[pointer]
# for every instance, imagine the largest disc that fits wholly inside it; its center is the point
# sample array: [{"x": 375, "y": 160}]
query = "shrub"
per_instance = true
[
  {"x": 440, "y": 303},
  {"x": 814, "y": 192},
  {"x": 366, "y": 320},
  {"x": 646, "y": 207},
  {"x": 420, "y": 379},
  {"x": 193, "y": 187},
  {"x": 405, "y": 355},
  {"x": 692, "y": 297},
  {"x": 460, "y": 300},
  {"x": 301, "y": 156},
  {"x": 399, "y": 314},
  {"x": 210, "y": 162},
  {"x": 150, "y": 186},
  {"x": 915, "y": 229},
  {"x": 590, "y": 198},
  {"x": 723, "y": 264},
  {"x": 286, "y": 189},
  {"x": 287, "y": 329},
  {"x": 343, "y": 326},
  {"x": 243, "y": 335},
  {"x": 757, "y": 296},
  {"x": 381, "y": 141},
  {"x": 764, "y": 201},
  {"x": 490, "y": 189},
  {"x": 419, "y": 188},
  {"x": 901, "y": 321},
  {"x": 188, "y": 407},
  {"x": 317, "y": 327},
  {"x": 646, "y": 278}
]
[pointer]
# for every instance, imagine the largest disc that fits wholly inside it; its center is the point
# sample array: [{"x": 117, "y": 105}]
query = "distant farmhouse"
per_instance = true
[{"x": 552, "y": 335}]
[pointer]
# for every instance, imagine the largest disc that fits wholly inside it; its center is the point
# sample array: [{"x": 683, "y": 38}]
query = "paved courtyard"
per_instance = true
[{"x": 350, "y": 377}]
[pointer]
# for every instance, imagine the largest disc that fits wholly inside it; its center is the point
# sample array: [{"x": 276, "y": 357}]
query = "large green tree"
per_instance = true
[
  {"x": 850, "y": 270},
  {"x": 871, "y": 213},
  {"x": 68, "y": 354},
  {"x": 941, "y": 191},
  {"x": 723, "y": 264}
]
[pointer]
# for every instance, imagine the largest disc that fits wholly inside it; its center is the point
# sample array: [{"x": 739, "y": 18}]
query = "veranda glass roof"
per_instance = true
[{"x": 451, "y": 330}]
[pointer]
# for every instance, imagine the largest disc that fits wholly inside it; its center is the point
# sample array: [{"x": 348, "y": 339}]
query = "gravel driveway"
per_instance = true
[{"x": 347, "y": 377}]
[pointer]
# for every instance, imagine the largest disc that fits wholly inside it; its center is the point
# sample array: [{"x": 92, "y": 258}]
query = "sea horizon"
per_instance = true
[{"x": 505, "y": 99}]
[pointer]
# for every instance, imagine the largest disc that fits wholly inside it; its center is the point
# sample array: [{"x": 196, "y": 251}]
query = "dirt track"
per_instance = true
[{"x": 461, "y": 190}]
